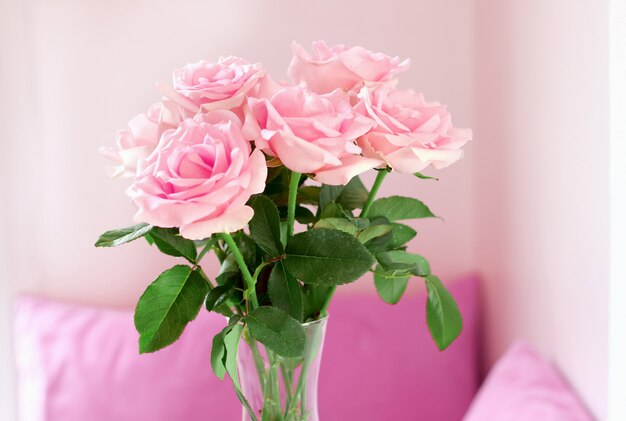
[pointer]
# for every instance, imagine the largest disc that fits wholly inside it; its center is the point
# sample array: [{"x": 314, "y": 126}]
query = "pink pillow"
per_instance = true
[
  {"x": 380, "y": 362},
  {"x": 78, "y": 363},
  {"x": 524, "y": 386},
  {"x": 82, "y": 364}
]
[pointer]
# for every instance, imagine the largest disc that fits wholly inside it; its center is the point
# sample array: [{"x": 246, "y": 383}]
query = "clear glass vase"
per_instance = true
[{"x": 279, "y": 388}]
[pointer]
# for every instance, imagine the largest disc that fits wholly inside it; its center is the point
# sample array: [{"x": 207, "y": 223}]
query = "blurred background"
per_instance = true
[{"x": 527, "y": 208}]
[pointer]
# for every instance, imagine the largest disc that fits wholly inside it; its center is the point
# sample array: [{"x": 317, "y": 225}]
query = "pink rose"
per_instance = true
[
  {"x": 410, "y": 133},
  {"x": 142, "y": 136},
  {"x": 310, "y": 133},
  {"x": 342, "y": 67},
  {"x": 222, "y": 85},
  {"x": 200, "y": 177}
]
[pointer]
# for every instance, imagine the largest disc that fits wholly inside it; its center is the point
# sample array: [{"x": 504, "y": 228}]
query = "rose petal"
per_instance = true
[
  {"x": 230, "y": 221},
  {"x": 350, "y": 166},
  {"x": 299, "y": 155}
]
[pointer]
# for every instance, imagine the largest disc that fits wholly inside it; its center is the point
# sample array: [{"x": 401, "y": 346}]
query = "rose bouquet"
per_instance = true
[{"x": 229, "y": 160}]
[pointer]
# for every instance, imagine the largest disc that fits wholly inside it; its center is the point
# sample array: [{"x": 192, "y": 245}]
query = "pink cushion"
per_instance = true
[
  {"x": 77, "y": 363},
  {"x": 380, "y": 362},
  {"x": 524, "y": 386}
]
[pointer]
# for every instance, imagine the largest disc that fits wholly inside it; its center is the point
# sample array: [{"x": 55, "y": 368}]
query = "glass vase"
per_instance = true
[{"x": 279, "y": 388}]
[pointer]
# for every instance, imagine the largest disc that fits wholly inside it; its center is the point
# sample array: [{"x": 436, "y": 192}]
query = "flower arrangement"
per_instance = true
[{"x": 229, "y": 160}]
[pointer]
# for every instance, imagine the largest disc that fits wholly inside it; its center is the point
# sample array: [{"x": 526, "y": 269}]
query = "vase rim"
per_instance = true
[
  {"x": 317, "y": 321},
  {"x": 305, "y": 324}
]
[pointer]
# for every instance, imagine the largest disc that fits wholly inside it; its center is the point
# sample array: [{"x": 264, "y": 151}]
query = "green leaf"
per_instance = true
[
  {"x": 218, "y": 350},
  {"x": 314, "y": 299},
  {"x": 251, "y": 253},
  {"x": 360, "y": 223},
  {"x": 245, "y": 403},
  {"x": 381, "y": 243},
  {"x": 400, "y": 235},
  {"x": 401, "y": 260},
  {"x": 442, "y": 314},
  {"x": 277, "y": 184},
  {"x": 372, "y": 232},
  {"x": 231, "y": 345},
  {"x": 265, "y": 226},
  {"x": 309, "y": 195},
  {"x": 224, "y": 359},
  {"x": 304, "y": 215},
  {"x": 168, "y": 304},
  {"x": 425, "y": 177},
  {"x": 354, "y": 195},
  {"x": 169, "y": 241},
  {"x": 340, "y": 224},
  {"x": 218, "y": 296},
  {"x": 327, "y": 256},
  {"x": 217, "y": 355},
  {"x": 232, "y": 282},
  {"x": 396, "y": 208},
  {"x": 277, "y": 331},
  {"x": 284, "y": 291},
  {"x": 332, "y": 210},
  {"x": 329, "y": 194},
  {"x": 148, "y": 238},
  {"x": 122, "y": 236},
  {"x": 390, "y": 288}
]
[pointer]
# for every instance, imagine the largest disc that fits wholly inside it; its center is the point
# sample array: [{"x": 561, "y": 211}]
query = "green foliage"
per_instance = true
[
  {"x": 285, "y": 291},
  {"x": 389, "y": 286},
  {"x": 218, "y": 350},
  {"x": 168, "y": 304},
  {"x": 304, "y": 215},
  {"x": 218, "y": 296},
  {"x": 397, "y": 208},
  {"x": 277, "y": 330},
  {"x": 400, "y": 235},
  {"x": 351, "y": 196},
  {"x": 122, "y": 236},
  {"x": 224, "y": 358},
  {"x": 327, "y": 256},
  {"x": 354, "y": 195},
  {"x": 265, "y": 226},
  {"x": 442, "y": 314},
  {"x": 332, "y": 210},
  {"x": 252, "y": 254},
  {"x": 277, "y": 185},
  {"x": 329, "y": 194},
  {"x": 380, "y": 243},
  {"x": 425, "y": 177},
  {"x": 340, "y": 224},
  {"x": 315, "y": 295},
  {"x": 400, "y": 260},
  {"x": 231, "y": 345},
  {"x": 169, "y": 242},
  {"x": 373, "y": 231},
  {"x": 309, "y": 195},
  {"x": 149, "y": 239}
]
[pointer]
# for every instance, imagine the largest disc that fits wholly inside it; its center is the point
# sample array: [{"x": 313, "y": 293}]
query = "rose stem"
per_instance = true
[
  {"x": 291, "y": 204},
  {"x": 370, "y": 198},
  {"x": 250, "y": 283}
]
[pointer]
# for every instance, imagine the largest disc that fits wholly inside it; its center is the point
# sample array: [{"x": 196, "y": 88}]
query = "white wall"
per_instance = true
[
  {"x": 617, "y": 310},
  {"x": 10, "y": 102},
  {"x": 542, "y": 214}
]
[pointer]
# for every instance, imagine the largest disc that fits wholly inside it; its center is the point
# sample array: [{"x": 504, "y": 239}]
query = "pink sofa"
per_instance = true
[
  {"x": 77, "y": 363},
  {"x": 81, "y": 364}
]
